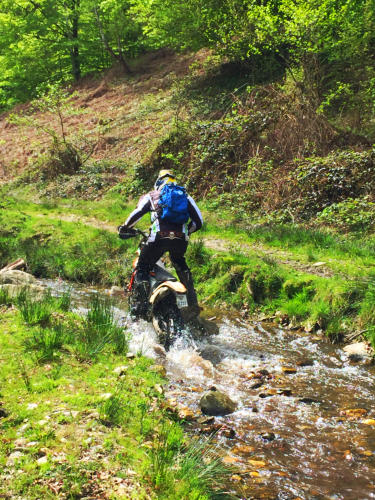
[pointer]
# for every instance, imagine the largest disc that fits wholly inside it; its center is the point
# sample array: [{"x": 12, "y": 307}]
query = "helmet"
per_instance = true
[{"x": 164, "y": 177}]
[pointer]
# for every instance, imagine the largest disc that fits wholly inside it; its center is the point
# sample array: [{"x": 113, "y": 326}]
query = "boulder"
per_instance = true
[
  {"x": 160, "y": 369},
  {"x": 16, "y": 278},
  {"x": 203, "y": 327},
  {"x": 213, "y": 354},
  {"x": 214, "y": 402},
  {"x": 359, "y": 351},
  {"x": 116, "y": 291},
  {"x": 13, "y": 290}
]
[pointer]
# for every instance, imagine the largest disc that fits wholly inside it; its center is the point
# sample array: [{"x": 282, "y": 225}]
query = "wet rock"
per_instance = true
[
  {"x": 210, "y": 429},
  {"x": 160, "y": 352},
  {"x": 120, "y": 370},
  {"x": 13, "y": 290},
  {"x": 257, "y": 385},
  {"x": 205, "y": 420},
  {"x": 268, "y": 436},
  {"x": 229, "y": 459},
  {"x": 229, "y": 433},
  {"x": 359, "y": 351},
  {"x": 354, "y": 413},
  {"x": 160, "y": 369},
  {"x": 187, "y": 414},
  {"x": 308, "y": 401},
  {"x": 271, "y": 392},
  {"x": 288, "y": 370},
  {"x": 243, "y": 449},
  {"x": 16, "y": 278},
  {"x": 215, "y": 403},
  {"x": 116, "y": 291},
  {"x": 284, "y": 391},
  {"x": 213, "y": 354},
  {"x": 205, "y": 326},
  {"x": 305, "y": 362},
  {"x": 369, "y": 421},
  {"x": 257, "y": 463},
  {"x": 264, "y": 372},
  {"x": 282, "y": 495}
]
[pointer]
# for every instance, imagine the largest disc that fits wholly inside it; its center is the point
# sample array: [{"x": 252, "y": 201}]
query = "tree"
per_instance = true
[{"x": 120, "y": 33}]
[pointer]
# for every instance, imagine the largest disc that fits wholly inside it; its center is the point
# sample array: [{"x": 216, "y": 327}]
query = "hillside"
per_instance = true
[
  {"x": 120, "y": 117},
  {"x": 286, "y": 254},
  {"x": 285, "y": 180}
]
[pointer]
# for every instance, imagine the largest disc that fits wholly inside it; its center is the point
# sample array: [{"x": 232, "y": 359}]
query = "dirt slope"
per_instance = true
[{"x": 121, "y": 116}]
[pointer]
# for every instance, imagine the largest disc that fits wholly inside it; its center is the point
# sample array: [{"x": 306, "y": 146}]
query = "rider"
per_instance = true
[{"x": 165, "y": 237}]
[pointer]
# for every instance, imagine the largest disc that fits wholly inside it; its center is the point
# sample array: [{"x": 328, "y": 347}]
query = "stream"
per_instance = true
[{"x": 303, "y": 428}]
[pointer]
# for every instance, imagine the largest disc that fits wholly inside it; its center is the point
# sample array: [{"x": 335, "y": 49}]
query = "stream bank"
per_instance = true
[{"x": 305, "y": 418}]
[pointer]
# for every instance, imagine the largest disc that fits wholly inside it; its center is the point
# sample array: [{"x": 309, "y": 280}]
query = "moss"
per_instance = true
[{"x": 292, "y": 287}]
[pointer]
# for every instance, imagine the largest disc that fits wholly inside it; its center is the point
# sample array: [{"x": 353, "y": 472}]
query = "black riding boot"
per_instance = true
[
  {"x": 193, "y": 309},
  {"x": 141, "y": 292}
]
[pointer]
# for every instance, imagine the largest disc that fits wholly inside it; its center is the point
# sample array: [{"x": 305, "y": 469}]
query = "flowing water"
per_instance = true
[{"x": 292, "y": 435}]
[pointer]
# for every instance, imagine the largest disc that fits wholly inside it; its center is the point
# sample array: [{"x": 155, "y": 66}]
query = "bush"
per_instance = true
[
  {"x": 350, "y": 215},
  {"x": 324, "y": 181}
]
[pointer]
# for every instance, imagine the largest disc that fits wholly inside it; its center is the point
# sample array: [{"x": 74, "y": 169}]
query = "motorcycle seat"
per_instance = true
[{"x": 161, "y": 274}]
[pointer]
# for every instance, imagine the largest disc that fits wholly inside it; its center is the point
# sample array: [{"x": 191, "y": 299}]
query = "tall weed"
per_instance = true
[
  {"x": 35, "y": 311},
  {"x": 5, "y": 299},
  {"x": 195, "y": 466},
  {"x": 99, "y": 330},
  {"x": 113, "y": 409},
  {"x": 47, "y": 342},
  {"x": 201, "y": 468},
  {"x": 164, "y": 452}
]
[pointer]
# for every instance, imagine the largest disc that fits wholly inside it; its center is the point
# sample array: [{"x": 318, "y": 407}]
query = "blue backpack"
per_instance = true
[{"x": 173, "y": 204}]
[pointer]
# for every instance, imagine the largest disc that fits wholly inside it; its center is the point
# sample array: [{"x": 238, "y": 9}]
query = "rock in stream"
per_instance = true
[{"x": 216, "y": 403}]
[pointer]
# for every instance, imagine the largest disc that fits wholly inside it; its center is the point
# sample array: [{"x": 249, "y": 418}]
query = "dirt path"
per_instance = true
[
  {"x": 279, "y": 256},
  {"x": 221, "y": 245}
]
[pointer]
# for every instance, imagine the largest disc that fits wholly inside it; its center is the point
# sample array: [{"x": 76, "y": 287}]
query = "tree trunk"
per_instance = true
[
  {"x": 74, "y": 51},
  {"x": 118, "y": 57}
]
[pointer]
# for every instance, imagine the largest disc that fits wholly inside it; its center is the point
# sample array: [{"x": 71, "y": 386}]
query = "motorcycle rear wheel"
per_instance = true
[{"x": 167, "y": 322}]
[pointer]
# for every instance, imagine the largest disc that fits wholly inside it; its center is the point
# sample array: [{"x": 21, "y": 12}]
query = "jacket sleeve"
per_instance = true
[
  {"x": 196, "y": 221},
  {"x": 144, "y": 206}
]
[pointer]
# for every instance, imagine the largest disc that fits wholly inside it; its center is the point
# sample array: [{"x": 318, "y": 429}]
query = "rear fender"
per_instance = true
[{"x": 164, "y": 288}]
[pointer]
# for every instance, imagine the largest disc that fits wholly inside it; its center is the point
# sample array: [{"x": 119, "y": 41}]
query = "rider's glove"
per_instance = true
[{"x": 122, "y": 228}]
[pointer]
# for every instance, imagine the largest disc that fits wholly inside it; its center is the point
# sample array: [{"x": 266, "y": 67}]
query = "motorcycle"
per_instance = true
[{"x": 167, "y": 296}]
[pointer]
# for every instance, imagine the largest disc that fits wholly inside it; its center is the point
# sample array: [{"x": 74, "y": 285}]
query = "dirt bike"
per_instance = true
[{"x": 166, "y": 296}]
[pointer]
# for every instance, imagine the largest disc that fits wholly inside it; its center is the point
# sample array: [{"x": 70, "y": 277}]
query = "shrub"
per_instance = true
[{"x": 350, "y": 215}]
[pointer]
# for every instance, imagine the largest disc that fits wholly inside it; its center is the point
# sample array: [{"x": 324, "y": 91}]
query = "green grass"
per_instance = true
[
  {"x": 75, "y": 427},
  {"x": 243, "y": 277},
  {"x": 54, "y": 248},
  {"x": 351, "y": 254}
]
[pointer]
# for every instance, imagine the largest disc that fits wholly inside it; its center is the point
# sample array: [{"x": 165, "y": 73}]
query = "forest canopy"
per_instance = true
[{"x": 327, "y": 46}]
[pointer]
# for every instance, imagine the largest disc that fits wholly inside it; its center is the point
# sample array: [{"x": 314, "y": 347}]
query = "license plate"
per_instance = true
[{"x": 181, "y": 301}]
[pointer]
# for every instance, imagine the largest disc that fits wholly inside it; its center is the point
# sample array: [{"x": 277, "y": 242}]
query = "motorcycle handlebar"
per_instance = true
[{"x": 126, "y": 233}]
